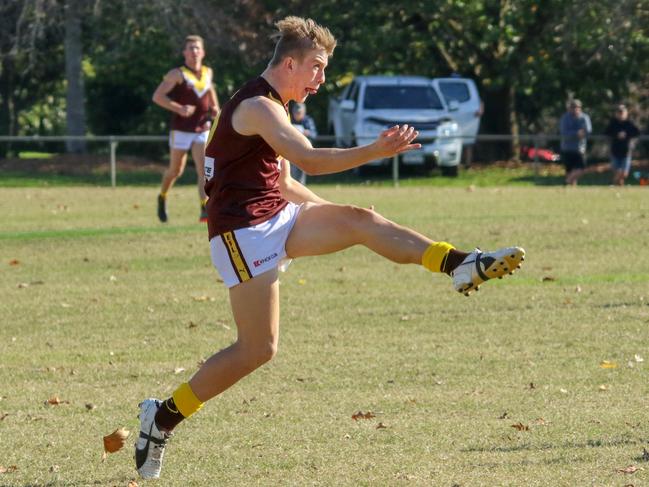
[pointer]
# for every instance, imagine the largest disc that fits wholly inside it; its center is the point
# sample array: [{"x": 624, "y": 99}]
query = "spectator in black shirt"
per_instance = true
[{"x": 621, "y": 130}]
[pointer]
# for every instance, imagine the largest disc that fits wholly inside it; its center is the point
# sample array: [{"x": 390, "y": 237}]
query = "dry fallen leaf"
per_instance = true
[
  {"x": 629, "y": 469},
  {"x": 548, "y": 279},
  {"x": 179, "y": 370},
  {"x": 380, "y": 426},
  {"x": 14, "y": 262},
  {"x": 603, "y": 387},
  {"x": 638, "y": 358},
  {"x": 132, "y": 483},
  {"x": 90, "y": 406},
  {"x": 503, "y": 415},
  {"x": 362, "y": 415},
  {"x": 116, "y": 440},
  {"x": 521, "y": 427},
  {"x": 9, "y": 469},
  {"x": 55, "y": 401},
  {"x": 607, "y": 364}
]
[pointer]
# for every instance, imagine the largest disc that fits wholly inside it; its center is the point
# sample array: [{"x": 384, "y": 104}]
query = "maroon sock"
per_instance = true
[
  {"x": 167, "y": 417},
  {"x": 453, "y": 259}
]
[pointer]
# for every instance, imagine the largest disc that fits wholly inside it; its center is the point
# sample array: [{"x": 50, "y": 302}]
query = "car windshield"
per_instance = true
[{"x": 402, "y": 96}]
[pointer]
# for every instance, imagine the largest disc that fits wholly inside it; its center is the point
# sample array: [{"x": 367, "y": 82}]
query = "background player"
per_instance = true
[{"x": 187, "y": 92}]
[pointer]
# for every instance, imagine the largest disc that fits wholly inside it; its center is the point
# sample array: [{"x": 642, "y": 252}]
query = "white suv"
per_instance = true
[{"x": 369, "y": 104}]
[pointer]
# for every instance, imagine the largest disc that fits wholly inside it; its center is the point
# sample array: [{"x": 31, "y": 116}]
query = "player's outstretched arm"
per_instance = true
[{"x": 264, "y": 117}]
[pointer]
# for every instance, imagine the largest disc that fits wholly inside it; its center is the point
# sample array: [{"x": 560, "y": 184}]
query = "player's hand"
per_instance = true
[
  {"x": 396, "y": 139},
  {"x": 187, "y": 110}
]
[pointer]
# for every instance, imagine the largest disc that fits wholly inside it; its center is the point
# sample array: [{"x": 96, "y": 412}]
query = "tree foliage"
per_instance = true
[{"x": 527, "y": 56}]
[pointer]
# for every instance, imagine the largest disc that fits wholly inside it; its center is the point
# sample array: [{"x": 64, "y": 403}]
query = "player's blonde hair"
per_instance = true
[
  {"x": 296, "y": 36},
  {"x": 193, "y": 38}
]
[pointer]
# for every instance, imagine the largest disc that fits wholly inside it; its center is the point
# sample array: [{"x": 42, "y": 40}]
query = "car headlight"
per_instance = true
[{"x": 447, "y": 129}]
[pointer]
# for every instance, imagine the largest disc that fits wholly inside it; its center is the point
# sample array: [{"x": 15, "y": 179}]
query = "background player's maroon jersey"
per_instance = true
[
  {"x": 194, "y": 90},
  {"x": 242, "y": 171}
]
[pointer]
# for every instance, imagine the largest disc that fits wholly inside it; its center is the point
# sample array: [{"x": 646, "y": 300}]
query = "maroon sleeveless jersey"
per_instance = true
[
  {"x": 194, "y": 90},
  {"x": 242, "y": 171}
]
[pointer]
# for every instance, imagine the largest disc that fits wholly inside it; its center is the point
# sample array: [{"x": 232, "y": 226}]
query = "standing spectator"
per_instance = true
[
  {"x": 575, "y": 126},
  {"x": 187, "y": 92},
  {"x": 622, "y": 131},
  {"x": 305, "y": 124}
]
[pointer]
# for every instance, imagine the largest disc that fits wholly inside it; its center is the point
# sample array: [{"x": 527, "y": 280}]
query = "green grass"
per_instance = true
[{"x": 101, "y": 305}]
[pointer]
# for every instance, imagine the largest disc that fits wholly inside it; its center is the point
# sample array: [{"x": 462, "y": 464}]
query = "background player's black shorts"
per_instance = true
[{"x": 573, "y": 160}]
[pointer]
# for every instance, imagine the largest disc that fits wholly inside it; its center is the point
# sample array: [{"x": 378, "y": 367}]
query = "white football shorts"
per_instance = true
[
  {"x": 184, "y": 140},
  {"x": 244, "y": 253}
]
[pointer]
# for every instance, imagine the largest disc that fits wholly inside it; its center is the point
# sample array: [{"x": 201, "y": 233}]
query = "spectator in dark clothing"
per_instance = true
[
  {"x": 622, "y": 131},
  {"x": 575, "y": 126},
  {"x": 305, "y": 124}
]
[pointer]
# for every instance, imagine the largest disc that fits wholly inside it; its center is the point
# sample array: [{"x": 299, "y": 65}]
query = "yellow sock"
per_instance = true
[
  {"x": 164, "y": 195},
  {"x": 186, "y": 401},
  {"x": 203, "y": 201},
  {"x": 435, "y": 256}
]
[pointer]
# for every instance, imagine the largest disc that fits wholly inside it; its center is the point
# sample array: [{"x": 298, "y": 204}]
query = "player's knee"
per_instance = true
[
  {"x": 176, "y": 172},
  {"x": 360, "y": 218},
  {"x": 261, "y": 353}
]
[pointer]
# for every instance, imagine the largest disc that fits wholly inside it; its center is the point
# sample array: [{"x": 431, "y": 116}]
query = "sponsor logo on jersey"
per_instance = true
[{"x": 259, "y": 262}]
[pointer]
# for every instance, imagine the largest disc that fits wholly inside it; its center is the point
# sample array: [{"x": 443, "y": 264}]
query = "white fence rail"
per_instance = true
[{"x": 537, "y": 141}]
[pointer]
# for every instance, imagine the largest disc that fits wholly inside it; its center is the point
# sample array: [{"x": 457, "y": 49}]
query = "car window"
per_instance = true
[
  {"x": 455, "y": 90},
  {"x": 403, "y": 96}
]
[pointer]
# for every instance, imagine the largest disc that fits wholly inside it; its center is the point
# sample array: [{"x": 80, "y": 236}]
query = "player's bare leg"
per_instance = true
[
  {"x": 258, "y": 333},
  {"x": 255, "y": 308},
  {"x": 326, "y": 228},
  {"x": 177, "y": 162}
]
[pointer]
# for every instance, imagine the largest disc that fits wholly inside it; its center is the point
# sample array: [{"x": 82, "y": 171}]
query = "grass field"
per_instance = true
[{"x": 537, "y": 380}]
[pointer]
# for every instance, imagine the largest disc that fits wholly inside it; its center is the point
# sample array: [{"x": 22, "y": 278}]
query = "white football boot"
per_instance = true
[
  {"x": 479, "y": 267},
  {"x": 150, "y": 446}
]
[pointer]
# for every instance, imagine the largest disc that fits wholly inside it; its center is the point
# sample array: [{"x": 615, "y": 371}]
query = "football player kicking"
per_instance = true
[{"x": 259, "y": 218}]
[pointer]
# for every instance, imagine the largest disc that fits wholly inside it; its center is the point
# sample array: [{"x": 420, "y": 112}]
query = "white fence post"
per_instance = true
[
  {"x": 395, "y": 171},
  {"x": 113, "y": 163}
]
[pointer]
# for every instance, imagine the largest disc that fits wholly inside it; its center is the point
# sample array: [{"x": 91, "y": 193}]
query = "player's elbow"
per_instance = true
[{"x": 157, "y": 99}]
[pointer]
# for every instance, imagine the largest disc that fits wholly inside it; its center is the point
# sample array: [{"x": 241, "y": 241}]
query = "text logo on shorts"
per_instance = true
[{"x": 259, "y": 262}]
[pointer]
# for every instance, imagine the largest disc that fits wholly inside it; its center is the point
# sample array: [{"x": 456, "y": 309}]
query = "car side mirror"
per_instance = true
[
  {"x": 348, "y": 105},
  {"x": 453, "y": 106}
]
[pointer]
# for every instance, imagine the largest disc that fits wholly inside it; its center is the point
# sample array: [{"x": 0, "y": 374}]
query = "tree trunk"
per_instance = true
[
  {"x": 75, "y": 96},
  {"x": 500, "y": 118},
  {"x": 7, "y": 111}
]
